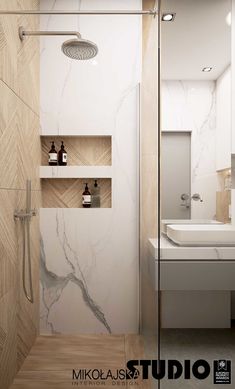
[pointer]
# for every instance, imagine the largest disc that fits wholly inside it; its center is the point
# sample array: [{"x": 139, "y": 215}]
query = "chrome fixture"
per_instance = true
[
  {"x": 168, "y": 16},
  {"x": 78, "y": 48},
  {"x": 25, "y": 218},
  {"x": 151, "y": 12},
  {"x": 186, "y": 199},
  {"x": 197, "y": 197}
]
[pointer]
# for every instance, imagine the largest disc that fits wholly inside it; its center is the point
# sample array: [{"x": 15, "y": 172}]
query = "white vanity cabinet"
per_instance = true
[{"x": 195, "y": 293}]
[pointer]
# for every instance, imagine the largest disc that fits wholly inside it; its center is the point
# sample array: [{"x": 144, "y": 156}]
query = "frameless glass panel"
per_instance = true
[{"x": 197, "y": 237}]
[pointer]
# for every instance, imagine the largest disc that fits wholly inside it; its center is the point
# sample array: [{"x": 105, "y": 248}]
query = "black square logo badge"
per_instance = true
[{"x": 222, "y": 372}]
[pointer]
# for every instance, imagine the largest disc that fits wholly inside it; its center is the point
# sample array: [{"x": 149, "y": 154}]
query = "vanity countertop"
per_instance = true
[{"x": 171, "y": 251}]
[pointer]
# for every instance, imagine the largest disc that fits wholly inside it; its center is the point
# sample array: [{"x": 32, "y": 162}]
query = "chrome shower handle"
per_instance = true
[{"x": 197, "y": 197}]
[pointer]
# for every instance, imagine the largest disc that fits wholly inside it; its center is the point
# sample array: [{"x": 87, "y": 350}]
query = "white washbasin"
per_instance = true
[
  {"x": 166, "y": 222},
  {"x": 202, "y": 234}
]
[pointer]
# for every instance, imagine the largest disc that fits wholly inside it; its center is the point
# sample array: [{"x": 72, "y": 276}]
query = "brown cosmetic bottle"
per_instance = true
[
  {"x": 86, "y": 197},
  {"x": 52, "y": 155},
  {"x": 62, "y": 156}
]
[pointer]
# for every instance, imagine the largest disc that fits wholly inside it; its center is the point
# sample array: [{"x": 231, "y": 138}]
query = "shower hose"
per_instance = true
[{"x": 26, "y": 242}]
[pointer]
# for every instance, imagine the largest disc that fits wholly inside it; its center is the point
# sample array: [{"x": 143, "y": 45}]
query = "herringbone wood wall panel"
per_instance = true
[
  {"x": 20, "y": 156},
  {"x": 67, "y": 193},
  {"x": 82, "y": 150}
]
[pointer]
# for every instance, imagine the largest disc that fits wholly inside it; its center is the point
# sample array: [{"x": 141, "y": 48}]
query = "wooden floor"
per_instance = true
[{"x": 52, "y": 359}]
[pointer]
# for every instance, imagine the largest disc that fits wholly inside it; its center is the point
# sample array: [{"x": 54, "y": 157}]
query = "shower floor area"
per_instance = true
[{"x": 52, "y": 359}]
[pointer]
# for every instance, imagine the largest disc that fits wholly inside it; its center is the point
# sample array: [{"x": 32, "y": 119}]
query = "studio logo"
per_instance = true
[
  {"x": 171, "y": 369},
  {"x": 222, "y": 372},
  {"x": 144, "y": 369}
]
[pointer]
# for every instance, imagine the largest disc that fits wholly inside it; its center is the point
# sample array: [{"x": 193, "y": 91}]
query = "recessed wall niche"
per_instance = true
[
  {"x": 82, "y": 150},
  {"x": 67, "y": 192},
  {"x": 89, "y": 158}
]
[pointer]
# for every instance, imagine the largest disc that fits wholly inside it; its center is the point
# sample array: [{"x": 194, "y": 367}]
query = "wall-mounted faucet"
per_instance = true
[
  {"x": 25, "y": 217},
  {"x": 186, "y": 199},
  {"x": 197, "y": 197}
]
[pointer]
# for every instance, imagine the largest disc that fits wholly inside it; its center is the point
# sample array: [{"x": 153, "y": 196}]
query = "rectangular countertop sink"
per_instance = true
[
  {"x": 166, "y": 222},
  {"x": 202, "y": 234}
]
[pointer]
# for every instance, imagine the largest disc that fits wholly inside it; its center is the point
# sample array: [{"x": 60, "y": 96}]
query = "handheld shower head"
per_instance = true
[{"x": 80, "y": 49}]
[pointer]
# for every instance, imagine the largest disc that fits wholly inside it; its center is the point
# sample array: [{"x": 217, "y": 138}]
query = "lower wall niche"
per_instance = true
[{"x": 67, "y": 192}]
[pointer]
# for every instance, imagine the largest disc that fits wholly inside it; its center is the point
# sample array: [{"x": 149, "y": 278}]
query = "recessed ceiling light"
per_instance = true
[
  {"x": 168, "y": 17},
  {"x": 207, "y": 69}
]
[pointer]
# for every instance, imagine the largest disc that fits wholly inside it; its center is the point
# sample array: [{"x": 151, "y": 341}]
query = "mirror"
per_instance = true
[{"x": 197, "y": 234}]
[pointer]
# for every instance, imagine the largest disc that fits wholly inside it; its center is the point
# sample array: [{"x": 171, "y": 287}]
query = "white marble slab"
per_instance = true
[
  {"x": 171, "y": 251},
  {"x": 87, "y": 268},
  {"x": 76, "y": 171},
  {"x": 90, "y": 258}
]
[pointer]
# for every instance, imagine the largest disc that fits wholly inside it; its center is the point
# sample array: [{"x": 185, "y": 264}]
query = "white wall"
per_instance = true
[
  {"x": 223, "y": 120},
  {"x": 191, "y": 105},
  {"x": 89, "y": 279}
]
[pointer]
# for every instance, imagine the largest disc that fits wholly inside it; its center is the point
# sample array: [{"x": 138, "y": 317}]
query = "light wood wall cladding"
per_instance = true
[
  {"x": 19, "y": 67},
  {"x": 67, "y": 192},
  {"x": 148, "y": 164},
  {"x": 223, "y": 201},
  {"x": 82, "y": 150},
  {"x": 20, "y": 157}
]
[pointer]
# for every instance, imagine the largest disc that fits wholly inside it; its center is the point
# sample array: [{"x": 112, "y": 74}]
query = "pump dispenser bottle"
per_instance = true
[
  {"x": 95, "y": 200},
  {"x": 52, "y": 155},
  {"x": 62, "y": 156}
]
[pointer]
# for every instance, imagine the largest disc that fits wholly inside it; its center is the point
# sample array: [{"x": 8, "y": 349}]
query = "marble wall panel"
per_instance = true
[{"x": 89, "y": 265}]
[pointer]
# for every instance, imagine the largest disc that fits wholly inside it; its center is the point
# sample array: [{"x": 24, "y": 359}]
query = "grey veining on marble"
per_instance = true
[{"x": 53, "y": 285}]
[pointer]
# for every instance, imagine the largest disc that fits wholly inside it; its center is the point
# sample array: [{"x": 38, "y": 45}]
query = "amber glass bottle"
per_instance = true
[
  {"x": 86, "y": 197},
  {"x": 62, "y": 156},
  {"x": 52, "y": 155}
]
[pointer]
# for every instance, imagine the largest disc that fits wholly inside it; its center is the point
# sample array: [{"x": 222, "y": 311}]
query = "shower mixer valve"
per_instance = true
[
  {"x": 186, "y": 199},
  {"x": 24, "y": 215}
]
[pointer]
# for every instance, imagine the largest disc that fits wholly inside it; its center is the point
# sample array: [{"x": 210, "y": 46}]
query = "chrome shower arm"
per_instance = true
[
  {"x": 23, "y": 33},
  {"x": 151, "y": 12}
]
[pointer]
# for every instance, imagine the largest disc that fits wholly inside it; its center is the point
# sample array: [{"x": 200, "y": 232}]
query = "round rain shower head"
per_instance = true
[{"x": 79, "y": 49}]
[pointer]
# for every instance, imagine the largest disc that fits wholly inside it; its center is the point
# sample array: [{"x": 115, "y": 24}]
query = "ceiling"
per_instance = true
[{"x": 198, "y": 37}]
